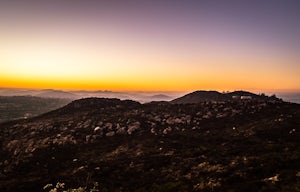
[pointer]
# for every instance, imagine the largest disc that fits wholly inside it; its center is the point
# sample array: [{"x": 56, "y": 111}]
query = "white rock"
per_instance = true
[{"x": 97, "y": 129}]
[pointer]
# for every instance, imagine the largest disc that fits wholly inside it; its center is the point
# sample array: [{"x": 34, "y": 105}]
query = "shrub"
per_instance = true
[{"x": 60, "y": 187}]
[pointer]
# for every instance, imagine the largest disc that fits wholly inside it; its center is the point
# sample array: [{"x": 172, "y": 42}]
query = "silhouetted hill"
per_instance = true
[
  {"x": 202, "y": 96},
  {"x": 247, "y": 94},
  {"x": 94, "y": 104},
  {"x": 234, "y": 145}
]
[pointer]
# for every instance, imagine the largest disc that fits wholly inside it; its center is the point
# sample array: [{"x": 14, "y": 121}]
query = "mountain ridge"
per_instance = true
[{"x": 158, "y": 146}]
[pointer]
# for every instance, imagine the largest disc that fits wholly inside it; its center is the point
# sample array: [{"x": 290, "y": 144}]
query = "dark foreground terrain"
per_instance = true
[{"x": 234, "y": 145}]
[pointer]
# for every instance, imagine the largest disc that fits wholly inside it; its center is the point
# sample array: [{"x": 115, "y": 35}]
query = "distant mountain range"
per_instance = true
[
  {"x": 57, "y": 94},
  {"x": 142, "y": 97}
]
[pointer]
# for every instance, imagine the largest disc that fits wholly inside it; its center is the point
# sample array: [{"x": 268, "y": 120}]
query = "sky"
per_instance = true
[{"x": 138, "y": 45}]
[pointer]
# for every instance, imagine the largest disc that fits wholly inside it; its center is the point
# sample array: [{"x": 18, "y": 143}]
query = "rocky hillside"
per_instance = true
[{"x": 232, "y": 145}]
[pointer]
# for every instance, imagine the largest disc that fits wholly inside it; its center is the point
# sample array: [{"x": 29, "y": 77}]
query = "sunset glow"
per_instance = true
[{"x": 150, "y": 48}]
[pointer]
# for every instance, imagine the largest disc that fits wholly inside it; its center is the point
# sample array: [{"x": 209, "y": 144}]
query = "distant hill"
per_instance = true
[
  {"x": 160, "y": 97},
  {"x": 22, "y": 107},
  {"x": 202, "y": 96},
  {"x": 18, "y": 92},
  {"x": 57, "y": 94}
]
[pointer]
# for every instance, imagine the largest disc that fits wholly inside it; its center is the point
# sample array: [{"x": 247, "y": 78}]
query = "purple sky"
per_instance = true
[{"x": 187, "y": 31}]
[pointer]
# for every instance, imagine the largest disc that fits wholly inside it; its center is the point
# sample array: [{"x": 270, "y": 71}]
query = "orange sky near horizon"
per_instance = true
[
  {"x": 114, "y": 51},
  {"x": 61, "y": 65}
]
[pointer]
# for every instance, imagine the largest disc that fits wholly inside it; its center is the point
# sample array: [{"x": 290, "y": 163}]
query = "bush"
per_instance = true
[{"x": 60, "y": 187}]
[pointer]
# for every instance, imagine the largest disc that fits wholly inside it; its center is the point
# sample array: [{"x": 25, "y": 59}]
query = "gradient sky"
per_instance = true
[{"x": 150, "y": 45}]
